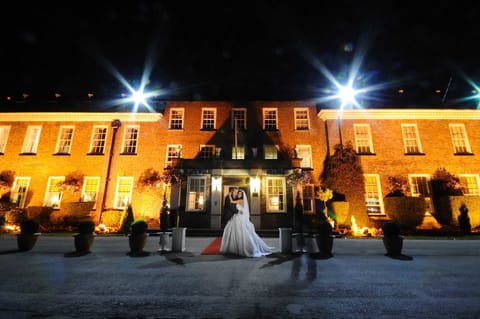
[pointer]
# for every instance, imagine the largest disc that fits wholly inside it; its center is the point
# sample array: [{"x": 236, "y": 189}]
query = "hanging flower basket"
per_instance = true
[{"x": 73, "y": 182}]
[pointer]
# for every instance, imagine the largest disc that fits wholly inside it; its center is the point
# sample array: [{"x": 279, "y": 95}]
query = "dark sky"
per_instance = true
[{"x": 240, "y": 50}]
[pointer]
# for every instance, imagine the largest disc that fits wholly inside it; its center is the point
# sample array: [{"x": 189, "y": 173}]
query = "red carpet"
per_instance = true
[{"x": 213, "y": 248}]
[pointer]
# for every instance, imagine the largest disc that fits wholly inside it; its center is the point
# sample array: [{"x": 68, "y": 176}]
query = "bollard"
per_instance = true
[{"x": 285, "y": 236}]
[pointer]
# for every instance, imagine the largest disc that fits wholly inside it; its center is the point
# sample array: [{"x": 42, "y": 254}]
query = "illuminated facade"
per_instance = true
[{"x": 216, "y": 145}]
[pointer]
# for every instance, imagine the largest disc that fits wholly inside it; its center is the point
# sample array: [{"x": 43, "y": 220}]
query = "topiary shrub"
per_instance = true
[
  {"x": 139, "y": 226},
  {"x": 406, "y": 211},
  {"x": 464, "y": 220},
  {"x": 29, "y": 226}
]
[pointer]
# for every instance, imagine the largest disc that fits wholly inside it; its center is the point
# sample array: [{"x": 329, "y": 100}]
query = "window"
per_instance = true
[
  {"x": 238, "y": 152},
  {"x": 32, "y": 138},
  {"x": 239, "y": 116},
  {"x": 53, "y": 195},
  {"x": 173, "y": 151},
  {"x": 19, "y": 191},
  {"x": 363, "y": 139},
  {"x": 276, "y": 194},
  {"x": 270, "y": 152},
  {"x": 301, "y": 119},
  {"x": 176, "y": 119},
  {"x": 372, "y": 194},
  {"x": 208, "y": 119},
  {"x": 207, "y": 151},
  {"x": 64, "y": 141},
  {"x": 308, "y": 198},
  {"x": 269, "y": 119},
  {"x": 130, "y": 140},
  {"x": 411, "y": 139},
  {"x": 90, "y": 189},
  {"x": 470, "y": 184},
  {"x": 99, "y": 137},
  {"x": 459, "y": 139},
  {"x": 196, "y": 193},
  {"x": 4, "y": 131},
  {"x": 420, "y": 186},
  {"x": 123, "y": 193},
  {"x": 305, "y": 153}
]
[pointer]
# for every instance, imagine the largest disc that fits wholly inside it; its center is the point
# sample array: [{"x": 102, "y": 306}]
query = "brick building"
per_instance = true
[{"x": 215, "y": 145}]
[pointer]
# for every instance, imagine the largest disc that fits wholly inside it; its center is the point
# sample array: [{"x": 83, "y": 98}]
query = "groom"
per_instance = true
[{"x": 229, "y": 209}]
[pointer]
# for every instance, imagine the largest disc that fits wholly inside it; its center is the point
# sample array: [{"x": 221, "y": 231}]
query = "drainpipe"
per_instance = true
[{"x": 115, "y": 124}]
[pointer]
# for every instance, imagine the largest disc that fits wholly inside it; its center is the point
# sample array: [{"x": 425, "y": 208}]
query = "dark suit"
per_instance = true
[{"x": 229, "y": 209}]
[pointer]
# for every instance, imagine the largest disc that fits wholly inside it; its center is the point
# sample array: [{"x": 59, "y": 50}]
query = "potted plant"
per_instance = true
[
  {"x": 28, "y": 234},
  {"x": 137, "y": 238},
  {"x": 85, "y": 236},
  {"x": 391, "y": 238},
  {"x": 325, "y": 238}
]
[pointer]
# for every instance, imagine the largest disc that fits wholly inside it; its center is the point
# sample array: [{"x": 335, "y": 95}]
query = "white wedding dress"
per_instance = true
[{"x": 239, "y": 236}]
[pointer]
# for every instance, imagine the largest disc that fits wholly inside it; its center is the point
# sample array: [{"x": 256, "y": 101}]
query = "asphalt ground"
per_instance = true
[{"x": 433, "y": 279}]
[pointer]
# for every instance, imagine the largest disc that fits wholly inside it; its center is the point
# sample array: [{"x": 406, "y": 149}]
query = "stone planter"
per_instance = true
[
  {"x": 285, "y": 239},
  {"x": 325, "y": 245},
  {"x": 178, "y": 239},
  {"x": 137, "y": 243},
  {"x": 27, "y": 241},
  {"x": 393, "y": 245},
  {"x": 83, "y": 243}
]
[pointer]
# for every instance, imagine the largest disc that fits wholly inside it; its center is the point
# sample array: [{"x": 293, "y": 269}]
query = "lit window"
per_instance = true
[
  {"x": 208, "y": 119},
  {"x": 207, "y": 151},
  {"x": 130, "y": 140},
  {"x": 32, "y": 139},
  {"x": 123, "y": 193},
  {"x": 420, "y": 186},
  {"x": 64, "y": 141},
  {"x": 99, "y": 137},
  {"x": 308, "y": 198},
  {"x": 269, "y": 119},
  {"x": 270, "y": 152},
  {"x": 176, "y": 119},
  {"x": 53, "y": 195},
  {"x": 411, "y": 139},
  {"x": 173, "y": 151},
  {"x": 372, "y": 194},
  {"x": 238, "y": 152},
  {"x": 363, "y": 139},
  {"x": 239, "y": 116},
  {"x": 91, "y": 185},
  {"x": 470, "y": 184},
  {"x": 305, "y": 153},
  {"x": 196, "y": 193},
  {"x": 301, "y": 119},
  {"x": 459, "y": 139},
  {"x": 19, "y": 191},
  {"x": 276, "y": 194},
  {"x": 4, "y": 131}
]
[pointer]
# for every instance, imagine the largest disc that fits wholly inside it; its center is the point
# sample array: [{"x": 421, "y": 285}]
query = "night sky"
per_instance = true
[{"x": 241, "y": 50}]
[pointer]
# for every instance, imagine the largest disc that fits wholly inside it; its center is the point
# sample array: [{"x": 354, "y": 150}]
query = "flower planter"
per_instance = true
[
  {"x": 27, "y": 241},
  {"x": 83, "y": 242},
  {"x": 137, "y": 242},
  {"x": 393, "y": 245},
  {"x": 325, "y": 245}
]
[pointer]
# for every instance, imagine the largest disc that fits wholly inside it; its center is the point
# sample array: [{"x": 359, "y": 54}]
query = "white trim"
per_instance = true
[
  {"x": 79, "y": 117},
  {"x": 400, "y": 114}
]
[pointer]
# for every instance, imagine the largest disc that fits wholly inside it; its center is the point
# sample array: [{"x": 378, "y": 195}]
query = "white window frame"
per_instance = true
[
  {"x": 370, "y": 190},
  {"x": 65, "y": 139},
  {"x": 363, "y": 139},
  {"x": 268, "y": 119},
  {"x": 97, "y": 145},
  {"x": 177, "y": 118},
  {"x": 308, "y": 200},
  {"x": 130, "y": 139},
  {"x": 470, "y": 183},
  {"x": 123, "y": 192},
  {"x": 53, "y": 198},
  {"x": 239, "y": 114},
  {"x": 270, "y": 152},
  {"x": 32, "y": 139},
  {"x": 305, "y": 153},
  {"x": 459, "y": 137},
  {"x": 90, "y": 190},
  {"x": 426, "y": 194},
  {"x": 276, "y": 194},
  {"x": 4, "y": 132},
  {"x": 238, "y": 153},
  {"x": 207, "y": 151},
  {"x": 196, "y": 198},
  {"x": 409, "y": 141},
  {"x": 301, "y": 123},
  {"x": 207, "y": 122},
  {"x": 19, "y": 192},
  {"x": 172, "y": 151}
]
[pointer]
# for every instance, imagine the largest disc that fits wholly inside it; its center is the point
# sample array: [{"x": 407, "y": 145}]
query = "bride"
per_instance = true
[{"x": 239, "y": 236}]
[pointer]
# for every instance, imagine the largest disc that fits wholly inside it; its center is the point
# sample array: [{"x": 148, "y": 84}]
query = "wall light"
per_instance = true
[
  {"x": 255, "y": 185},
  {"x": 216, "y": 183}
]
